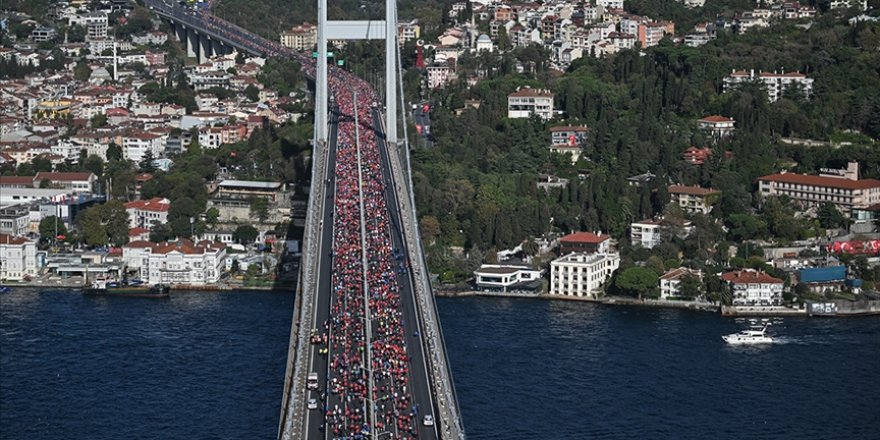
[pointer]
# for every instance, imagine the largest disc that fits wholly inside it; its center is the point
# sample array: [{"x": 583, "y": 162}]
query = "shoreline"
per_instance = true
[
  {"x": 180, "y": 288},
  {"x": 724, "y": 311}
]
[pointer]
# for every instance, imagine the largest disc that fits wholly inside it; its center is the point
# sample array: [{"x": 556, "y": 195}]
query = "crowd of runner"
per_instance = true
[{"x": 348, "y": 403}]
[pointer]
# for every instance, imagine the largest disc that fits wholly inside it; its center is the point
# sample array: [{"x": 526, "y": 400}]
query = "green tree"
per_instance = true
[
  {"x": 690, "y": 286},
  {"x": 114, "y": 152},
  {"x": 51, "y": 227},
  {"x": 245, "y": 234},
  {"x": 252, "y": 93},
  {"x": 99, "y": 120},
  {"x": 212, "y": 215},
  {"x": 82, "y": 71},
  {"x": 637, "y": 281},
  {"x": 259, "y": 208}
]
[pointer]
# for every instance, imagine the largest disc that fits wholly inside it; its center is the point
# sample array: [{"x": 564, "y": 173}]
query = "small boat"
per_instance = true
[
  {"x": 756, "y": 334},
  {"x": 136, "y": 291},
  {"x": 4, "y": 289}
]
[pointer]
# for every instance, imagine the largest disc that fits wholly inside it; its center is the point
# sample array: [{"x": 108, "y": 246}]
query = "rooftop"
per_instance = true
[
  {"x": 585, "y": 237},
  {"x": 749, "y": 277},
  {"x": 692, "y": 190},
  {"x": 249, "y": 184}
]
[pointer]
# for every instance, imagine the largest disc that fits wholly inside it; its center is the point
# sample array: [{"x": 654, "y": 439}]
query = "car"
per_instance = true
[
  {"x": 312, "y": 381},
  {"x": 313, "y": 403},
  {"x": 428, "y": 420}
]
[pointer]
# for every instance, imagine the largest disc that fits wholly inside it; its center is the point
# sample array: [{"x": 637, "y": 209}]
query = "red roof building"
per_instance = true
[
  {"x": 696, "y": 156},
  {"x": 587, "y": 242},
  {"x": 754, "y": 288},
  {"x": 144, "y": 213},
  {"x": 847, "y": 193}
]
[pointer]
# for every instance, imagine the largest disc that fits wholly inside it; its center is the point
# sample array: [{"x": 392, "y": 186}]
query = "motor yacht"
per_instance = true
[{"x": 756, "y": 334}]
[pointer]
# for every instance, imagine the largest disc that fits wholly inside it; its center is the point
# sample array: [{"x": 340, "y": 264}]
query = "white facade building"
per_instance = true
[
  {"x": 18, "y": 258},
  {"x": 645, "y": 233},
  {"x": 670, "y": 282},
  {"x": 505, "y": 277},
  {"x": 526, "y": 101},
  {"x": 181, "y": 262},
  {"x": 753, "y": 288},
  {"x": 775, "y": 83},
  {"x": 143, "y": 213},
  {"x": 581, "y": 274}
]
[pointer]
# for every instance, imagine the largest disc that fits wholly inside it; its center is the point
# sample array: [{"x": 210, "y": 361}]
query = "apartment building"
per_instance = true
[
  {"x": 843, "y": 189},
  {"x": 774, "y": 83},
  {"x": 302, "y": 37},
  {"x": 694, "y": 199},
  {"x": 646, "y": 233},
  {"x": 526, "y": 101},
  {"x": 14, "y": 220},
  {"x": 79, "y": 182},
  {"x": 585, "y": 242},
  {"x": 581, "y": 274}
]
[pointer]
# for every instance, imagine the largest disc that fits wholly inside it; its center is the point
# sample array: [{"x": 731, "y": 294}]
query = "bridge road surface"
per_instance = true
[
  {"x": 420, "y": 381},
  {"x": 318, "y": 362}
]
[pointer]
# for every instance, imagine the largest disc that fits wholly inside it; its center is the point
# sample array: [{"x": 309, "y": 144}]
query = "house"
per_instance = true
[
  {"x": 18, "y": 258},
  {"x": 696, "y": 156},
  {"x": 507, "y": 277},
  {"x": 568, "y": 135},
  {"x": 670, "y": 282},
  {"x": 581, "y": 274},
  {"x": 585, "y": 242},
  {"x": 641, "y": 179},
  {"x": 143, "y": 213},
  {"x": 526, "y": 102},
  {"x": 841, "y": 188},
  {"x": 754, "y": 288},
  {"x": 180, "y": 262},
  {"x": 719, "y": 126},
  {"x": 79, "y": 182},
  {"x": 694, "y": 199},
  {"x": 138, "y": 234}
]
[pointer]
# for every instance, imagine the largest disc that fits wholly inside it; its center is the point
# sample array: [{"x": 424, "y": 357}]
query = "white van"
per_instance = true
[{"x": 312, "y": 381}]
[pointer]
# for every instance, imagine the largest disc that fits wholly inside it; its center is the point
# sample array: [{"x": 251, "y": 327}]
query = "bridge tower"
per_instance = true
[{"x": 357, "y": 30}]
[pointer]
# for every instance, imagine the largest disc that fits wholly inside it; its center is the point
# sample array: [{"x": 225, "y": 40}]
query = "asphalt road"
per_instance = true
[
  {"x": 419, "y": 377},
  {"x": 318, "y": 362}
]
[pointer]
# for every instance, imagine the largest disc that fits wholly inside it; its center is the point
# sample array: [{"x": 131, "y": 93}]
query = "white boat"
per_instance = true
[{"x": 756, "y": 334}]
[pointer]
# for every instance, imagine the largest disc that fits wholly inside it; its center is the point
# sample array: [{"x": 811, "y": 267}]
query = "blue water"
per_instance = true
[{"x": 209, "y": 365}]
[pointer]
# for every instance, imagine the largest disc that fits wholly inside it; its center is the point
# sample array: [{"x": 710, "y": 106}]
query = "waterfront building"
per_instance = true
[
  {"x": 18, "y": 258},
  {"x": 587, "y": 242},
  {"x": 143, "y": 213},
  {"x": 823, "y": 279},
  {"x": 507, "y": 277},
  {"x": 694, "y": 199},
  {"x": 582, "y": 274},
  {"x": 841, "y": 188},
  {"x": 754, "y": 288},
  {"x": 526, "y": 101},
  {"x": 670, "y": 282},
  {"x": 180, "y": 262}
]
